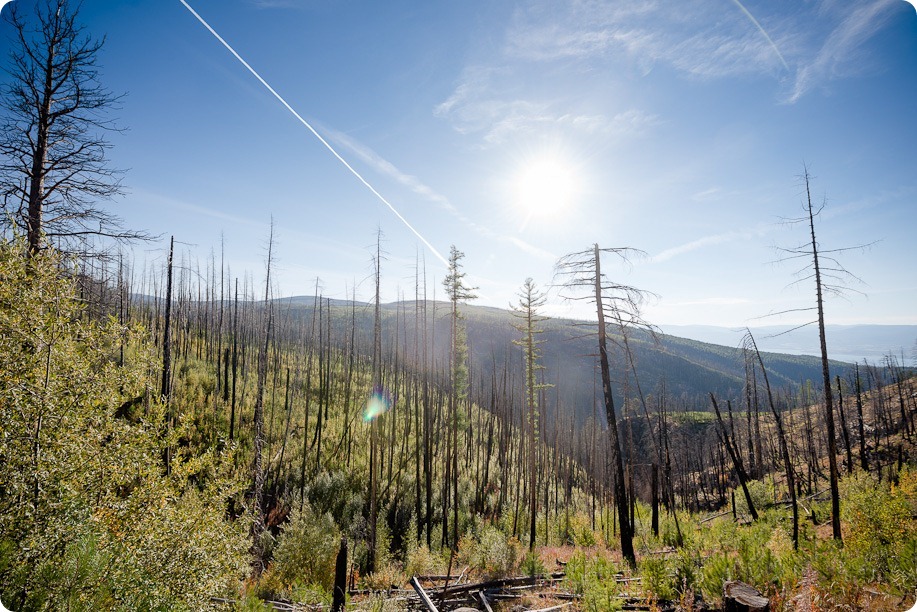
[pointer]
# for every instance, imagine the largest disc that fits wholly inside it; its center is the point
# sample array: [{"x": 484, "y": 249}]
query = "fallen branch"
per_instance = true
[{"x": 415, "y": 582}]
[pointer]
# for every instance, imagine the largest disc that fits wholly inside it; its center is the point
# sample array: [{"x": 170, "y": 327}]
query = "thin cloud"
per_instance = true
[
  {"x": 532, "y": 250},
  {"x": 707, "y": 241},
  {"x": 813, "y": 45},
  {"x": 706, "y": 194},
  {"x": 698, "y": 38},
  {"x": 764, "y": 33},
  {"x": 159, "y": 200},
  {"x": 838, "y": 54},
  {"x": 383, "y": 166},
  {"x": 481, "y": 105},
  {"x": 713, "y": 301}
]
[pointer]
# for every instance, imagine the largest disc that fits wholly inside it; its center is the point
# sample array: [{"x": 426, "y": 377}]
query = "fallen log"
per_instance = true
[{"x": 423, "y": 595}]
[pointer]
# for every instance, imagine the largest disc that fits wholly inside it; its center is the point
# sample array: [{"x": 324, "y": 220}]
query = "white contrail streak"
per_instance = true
[
  {"x": 316, "y": 134},
  {"x": 760, "y": 29}
]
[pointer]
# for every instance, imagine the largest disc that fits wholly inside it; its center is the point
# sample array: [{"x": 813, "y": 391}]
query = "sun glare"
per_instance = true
[{"x": 545, "y": 187}]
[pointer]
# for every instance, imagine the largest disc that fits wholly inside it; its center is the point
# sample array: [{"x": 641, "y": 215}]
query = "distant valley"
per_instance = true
[{"x": 850, "y": 343}]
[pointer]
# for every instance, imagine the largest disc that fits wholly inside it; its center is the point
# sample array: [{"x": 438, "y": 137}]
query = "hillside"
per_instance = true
[{"x": 683, "y": 368}]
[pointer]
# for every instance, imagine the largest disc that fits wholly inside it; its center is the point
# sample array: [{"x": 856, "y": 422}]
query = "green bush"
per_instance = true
[
  {"x": 717, "y": 569},
  {"x": 421, "y": 561},
  {"x": 761, "y": 496},
  {"x": 306, "y": 550},
  {"x": 685, "y": 567},
  {"x": 492, "y": 555},
  {"x": 91, "y": 521},
  {"x": 594, "y": 579},
  {"x": 657, "y": 577},
  {"x": 532, "y": 565},
  {"x": 881, "y": 538}
]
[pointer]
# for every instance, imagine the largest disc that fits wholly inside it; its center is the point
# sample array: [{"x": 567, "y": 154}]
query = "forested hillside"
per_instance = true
[
  {"x": 169, "y": 450},
  {"x": 684, "y": 369}
]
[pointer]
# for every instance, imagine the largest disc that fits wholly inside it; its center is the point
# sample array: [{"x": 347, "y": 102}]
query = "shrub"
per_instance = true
[
  {"x": 657, "y": 577},
  {"x": 306, "y": 550},
  {"x": 761, "y": 496},
  {"x": 421, "y": 561},
  {"x": 594, "y": 579},
  {"x": 717, "y": 569},
  {"x": 385, "y": 578},
  {"x": 492, "y": 554},
  {"x": 881, "y": 538},
  {"x": 532, "y": 565},
  {"x": 102, "y": 526},
  {"x": 685, "y": 565}
]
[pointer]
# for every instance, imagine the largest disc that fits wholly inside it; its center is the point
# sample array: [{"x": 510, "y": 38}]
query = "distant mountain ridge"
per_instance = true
[{"x": 682, "y": 368}]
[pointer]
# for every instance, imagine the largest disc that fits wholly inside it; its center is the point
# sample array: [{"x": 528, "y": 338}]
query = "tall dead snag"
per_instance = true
[
  {"x": 530, "y": 299},
  {"x": 166, "y": 387},
  {"x": 583, "y": 271},
  {"x": 830, "y": 277},
  {"x": 377, "y": 389},
  {"x": 235, "y": 361},
  {"x": 864, "y": 463},
  {"x": 845, "y": 432},
  {"x": 258, "y": 527},
  {"x": 749, "y": 343}
]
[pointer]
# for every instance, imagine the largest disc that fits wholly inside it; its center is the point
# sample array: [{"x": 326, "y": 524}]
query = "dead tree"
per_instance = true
[
  {"x": 257, "y": 467},
  {"x": 749, "y": 342},
  {"x": 582, "y": 271},
  {"x": 53, "y": 166},
  {"x": 830, "y": 277}
]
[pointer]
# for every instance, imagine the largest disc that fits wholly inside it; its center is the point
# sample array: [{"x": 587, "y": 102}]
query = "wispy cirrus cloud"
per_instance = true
[
  {"x": 482, "y": 103},
  {"x": 840, "y": 53},
  {"x": 799, "y": 50},
  {"x": 711, "y": 240},
  {"x": 700, "y": 38},
  {"x": 383, "y": 166},
  {"x": 532, "y": 83}
]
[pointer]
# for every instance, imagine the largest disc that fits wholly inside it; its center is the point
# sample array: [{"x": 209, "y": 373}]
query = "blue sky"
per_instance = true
[{"x": 678, "y": 128}]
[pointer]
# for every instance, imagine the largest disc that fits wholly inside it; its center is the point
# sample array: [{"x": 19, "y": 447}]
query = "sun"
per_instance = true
[{"x": 545, "y": 187}]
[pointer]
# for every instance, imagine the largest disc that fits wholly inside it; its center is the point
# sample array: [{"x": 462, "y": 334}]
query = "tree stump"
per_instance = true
[
  {"x": 339, "y": 596},
  {"x": 740, "y": 597}
]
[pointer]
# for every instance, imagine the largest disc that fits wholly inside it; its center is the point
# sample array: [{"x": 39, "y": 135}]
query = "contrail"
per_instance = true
[
  {"x": 760, "y": 29},
  {"x": 316, "y": 134}
]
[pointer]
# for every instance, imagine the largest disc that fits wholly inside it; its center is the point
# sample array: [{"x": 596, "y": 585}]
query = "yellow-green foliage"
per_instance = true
[
  {"x": 492, "y": 554},
  {"x": 87, "y": 519},
  {"x": 576, "y": 528},
  {"x": 657, "y": 577},
  {"x": 593, "y": 577},
  {"x": 881, "y": 538},
  {"x": 760, "y": 554},
  {"x": 422, "y": 561},
  {"x": 306, "y": 550}
]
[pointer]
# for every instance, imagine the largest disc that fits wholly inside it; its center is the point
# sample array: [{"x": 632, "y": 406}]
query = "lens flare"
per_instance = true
[{"x": 377, "y": 404}]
